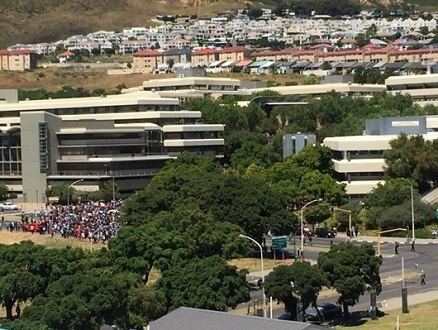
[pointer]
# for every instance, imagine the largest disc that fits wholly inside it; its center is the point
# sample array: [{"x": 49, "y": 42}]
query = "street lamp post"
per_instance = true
[
  {"x": 302, "y": 222},
  {"x": 412, "y": 208},
  {"x": 68, "y": 190},
  {"x": 263, "y": 271}
]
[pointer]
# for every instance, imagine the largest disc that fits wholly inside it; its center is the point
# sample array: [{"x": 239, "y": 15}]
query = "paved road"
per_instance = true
[{"x": 426, "y": 256}]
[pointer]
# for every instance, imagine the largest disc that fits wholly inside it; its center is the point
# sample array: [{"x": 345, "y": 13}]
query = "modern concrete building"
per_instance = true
[
  {"x": 192, "y": 83},
  {"x": 294, "y": 143},
  {"x": 185, "y": 88},
  {"x": 422, "y": 88},
  {"x": 127, "y": 137},
  {"x": 348, "y": 89},
  {"x": 358, "y": 160}
]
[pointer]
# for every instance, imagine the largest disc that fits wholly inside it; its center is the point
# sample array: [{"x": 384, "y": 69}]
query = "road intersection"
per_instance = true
[{"x": 425, "y": 257}]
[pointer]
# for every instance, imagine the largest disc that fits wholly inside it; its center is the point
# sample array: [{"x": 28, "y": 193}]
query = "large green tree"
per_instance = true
[
  {"x": 298, "y": 282},
  {"x": 351, "y": 270},
  {"x": 413, "y": 157},
  {"x": 392, "y": 192},
  {"x": 27, "y": 269},
  {"x": 246, "y": 201},
  {"x": 93, "y": 298},
  {"x": 207, "y": 283}
]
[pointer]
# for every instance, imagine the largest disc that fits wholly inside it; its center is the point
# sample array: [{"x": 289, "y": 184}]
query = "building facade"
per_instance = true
[
  {"x": 127, "y": 137},
  {"x": 294, "y": 143},
  {"x": 18, "y": 60},
  {"x": 147, "y": 60},
  {"x": 358, "y": 160}
]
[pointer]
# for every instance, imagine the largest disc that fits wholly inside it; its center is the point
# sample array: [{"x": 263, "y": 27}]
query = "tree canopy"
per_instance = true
[
  {"x": 350, "y": 270},
  {"x": 297, "y": 282},
  {"x": 413, "y": 157}
]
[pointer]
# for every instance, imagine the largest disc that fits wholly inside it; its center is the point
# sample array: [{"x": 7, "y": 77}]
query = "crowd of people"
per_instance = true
[{"x": 96, "y": 222}]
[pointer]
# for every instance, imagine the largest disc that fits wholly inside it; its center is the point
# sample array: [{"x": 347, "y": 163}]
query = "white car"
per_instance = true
[{"x": 8, "y": 206}]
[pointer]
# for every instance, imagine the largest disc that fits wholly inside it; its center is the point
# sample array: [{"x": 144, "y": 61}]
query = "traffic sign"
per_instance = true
[{"x": 279, "y": 242}]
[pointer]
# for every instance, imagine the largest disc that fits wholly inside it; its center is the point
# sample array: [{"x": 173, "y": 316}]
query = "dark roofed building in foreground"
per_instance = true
[{"x": 185, "y": 318}]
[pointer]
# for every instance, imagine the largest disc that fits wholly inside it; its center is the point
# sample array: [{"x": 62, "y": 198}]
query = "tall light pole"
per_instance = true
[
  {"x": 68, "y": 190},
  {"x": 263, "y": 271},
  {"x": 302, "y": 221},
  {"x": 412, "y": 208}
]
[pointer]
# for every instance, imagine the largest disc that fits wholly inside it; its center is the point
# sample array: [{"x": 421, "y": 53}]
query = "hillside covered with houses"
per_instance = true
[{"x": 269, "y": 44}]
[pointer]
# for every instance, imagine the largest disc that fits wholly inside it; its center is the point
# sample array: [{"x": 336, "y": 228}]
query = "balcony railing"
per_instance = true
[{"x": 109, "y": 175}]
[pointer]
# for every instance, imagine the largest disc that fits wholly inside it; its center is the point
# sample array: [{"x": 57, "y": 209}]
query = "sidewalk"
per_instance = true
[
  {"x": 413, "y": 299},
  {"x": 386, "y": 277},
  {"x": 392, "y": 240}
]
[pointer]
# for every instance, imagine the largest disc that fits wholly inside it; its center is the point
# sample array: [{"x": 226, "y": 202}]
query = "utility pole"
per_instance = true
[
  {"x": 404, "y": 289},
  {"x": 350, "y": 219}
]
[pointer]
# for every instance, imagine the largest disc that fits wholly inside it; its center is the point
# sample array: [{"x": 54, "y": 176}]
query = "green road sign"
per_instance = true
[
  {"x": 279, "y": 242},
  {"x": 436, "y": 214}
]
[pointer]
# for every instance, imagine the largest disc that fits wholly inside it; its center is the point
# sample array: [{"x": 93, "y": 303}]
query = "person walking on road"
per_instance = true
[
  {"x": 396, "y": 248},
  {"x": 423, "y": 278},
  {"x": 413, "y": 246}
]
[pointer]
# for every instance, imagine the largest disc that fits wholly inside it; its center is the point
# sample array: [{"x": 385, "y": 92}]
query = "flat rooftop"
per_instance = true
[{"x": 135, "y": 98}]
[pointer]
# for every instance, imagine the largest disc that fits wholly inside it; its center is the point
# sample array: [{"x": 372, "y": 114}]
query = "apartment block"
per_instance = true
[{"x": 18, "y": 60}]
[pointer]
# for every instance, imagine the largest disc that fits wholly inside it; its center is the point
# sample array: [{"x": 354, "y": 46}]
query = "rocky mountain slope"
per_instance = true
[{"x": 26, "y": 21}]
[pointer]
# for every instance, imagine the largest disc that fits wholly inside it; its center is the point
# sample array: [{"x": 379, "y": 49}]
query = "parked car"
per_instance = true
[
  {"x": 8, "y": 206},
  {"x": 325, "y": 232},
  {"x": 326, "y": 310},
  {"x": 287, "y": 316}
]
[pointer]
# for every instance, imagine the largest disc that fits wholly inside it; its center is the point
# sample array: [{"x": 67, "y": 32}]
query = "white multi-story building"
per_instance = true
[
  {"x": 358, "y": 160},
  {"x": 126, "y": 137}
]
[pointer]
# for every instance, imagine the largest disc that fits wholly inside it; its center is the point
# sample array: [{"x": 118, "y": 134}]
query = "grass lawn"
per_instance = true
[
  {"x": 254, "y": 264},
  {"x": 420, "y": 317}
]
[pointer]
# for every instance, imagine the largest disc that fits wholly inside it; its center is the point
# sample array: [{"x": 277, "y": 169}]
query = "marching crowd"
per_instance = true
[{"x": 95, "y": 222}]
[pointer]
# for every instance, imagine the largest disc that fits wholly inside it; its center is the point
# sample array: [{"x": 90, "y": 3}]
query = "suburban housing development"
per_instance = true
[{"x": 224, "y": 44}]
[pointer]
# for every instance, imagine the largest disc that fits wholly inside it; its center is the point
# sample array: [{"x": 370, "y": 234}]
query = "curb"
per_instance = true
[{"x": 392, "y": 242}]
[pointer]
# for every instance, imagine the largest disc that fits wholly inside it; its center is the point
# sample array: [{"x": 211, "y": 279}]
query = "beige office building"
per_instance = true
[{"x": 127, "y": 137}]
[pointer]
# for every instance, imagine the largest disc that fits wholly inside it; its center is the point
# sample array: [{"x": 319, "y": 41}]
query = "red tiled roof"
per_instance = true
[
  {"x": 305, "y": 52},
  {"x": 343, "y": 52},
  {"x": 205, "y": 51},
  {"x": 418, "y": 51},
  {"x": 16, "y": 52},
  {"x": 370, "y": 45},
  {"x": 384, "y": 50},
  {"x": 147, "y": 52},
  {"x": 235, "y": 49},
  {"x": 66, "y": 54},
  {"x": 22, "y": 52},
  {"x": 286, "y": 51},
  {"x": 243, "y": 63}
]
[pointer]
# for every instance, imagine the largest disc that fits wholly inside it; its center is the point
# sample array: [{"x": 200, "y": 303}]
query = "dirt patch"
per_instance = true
[
  {"x": 7, "y": 237},
  {"x": 53, "y": 79}
]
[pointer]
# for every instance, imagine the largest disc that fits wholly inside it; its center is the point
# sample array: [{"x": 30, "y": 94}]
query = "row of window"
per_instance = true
[
  {"x": 97, "y": 110},
  {"x": 151, "y": 149}
]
